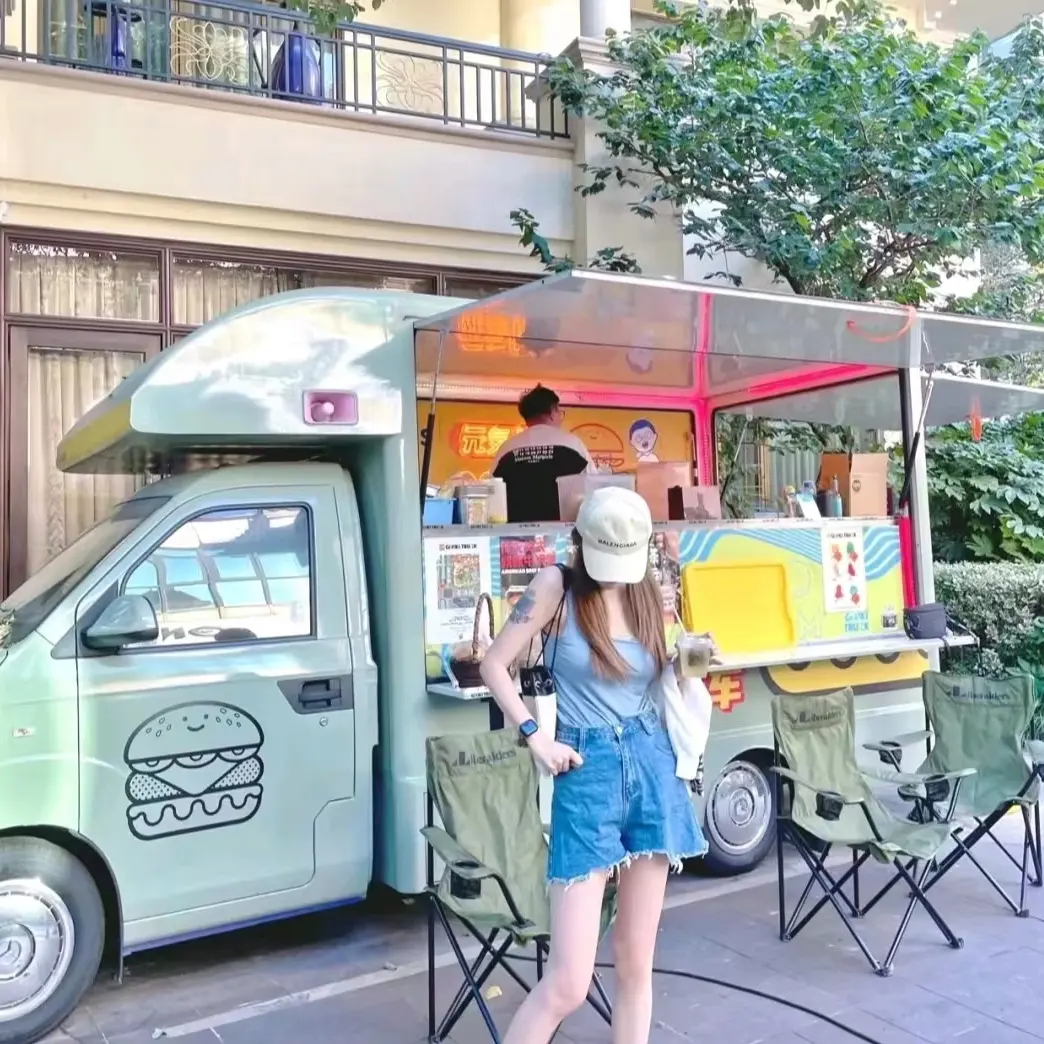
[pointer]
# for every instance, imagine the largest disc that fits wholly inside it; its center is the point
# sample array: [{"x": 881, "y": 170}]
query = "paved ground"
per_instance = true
[{"x": 358, "y": 977}]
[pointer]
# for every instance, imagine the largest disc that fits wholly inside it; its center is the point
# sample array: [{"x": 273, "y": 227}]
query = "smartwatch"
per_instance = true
[{"x": 528, "y": 729}]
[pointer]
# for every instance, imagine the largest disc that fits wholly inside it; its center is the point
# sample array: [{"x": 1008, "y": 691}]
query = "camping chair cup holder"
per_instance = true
[
  {"x": 484, "y": 788},
  {"x": 832, "y": 805}
]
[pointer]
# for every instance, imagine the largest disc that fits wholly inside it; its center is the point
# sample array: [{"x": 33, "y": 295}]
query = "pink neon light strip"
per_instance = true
[{"x": 704, "y": 415}]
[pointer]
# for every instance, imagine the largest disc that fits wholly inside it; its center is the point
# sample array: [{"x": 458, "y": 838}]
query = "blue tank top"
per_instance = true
[{"x": 587, "y": 699}]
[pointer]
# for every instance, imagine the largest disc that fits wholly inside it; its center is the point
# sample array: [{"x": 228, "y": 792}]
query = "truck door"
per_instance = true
[{"x": 208, "y": 754}]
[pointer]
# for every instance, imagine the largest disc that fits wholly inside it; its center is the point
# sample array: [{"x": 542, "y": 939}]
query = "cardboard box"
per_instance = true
[
  {"x": 862, "y": 482},
  {"x": 655, "y": 480},
  {"x": 694, "y": 503}
]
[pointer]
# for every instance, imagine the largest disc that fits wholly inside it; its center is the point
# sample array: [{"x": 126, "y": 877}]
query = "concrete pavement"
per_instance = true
[{"x": 358, "y": 976}]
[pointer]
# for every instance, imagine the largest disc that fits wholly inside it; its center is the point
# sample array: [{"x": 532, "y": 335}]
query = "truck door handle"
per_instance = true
[{"x": 318, "y": 694}]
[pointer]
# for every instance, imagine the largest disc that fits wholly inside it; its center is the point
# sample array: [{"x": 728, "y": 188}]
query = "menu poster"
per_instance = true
[
  {"x": 456, "y": 574},
  {"x": 844, "y": 569},
  {"x": 521, "y": 558}
]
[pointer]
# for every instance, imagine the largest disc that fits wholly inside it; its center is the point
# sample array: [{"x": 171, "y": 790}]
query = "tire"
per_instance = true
[
  {"x": 740, "y": 818},
  {"x": 52, "y": 933}
]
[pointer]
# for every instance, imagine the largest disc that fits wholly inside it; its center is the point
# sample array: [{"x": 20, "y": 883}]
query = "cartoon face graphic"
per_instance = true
[{"x": 643, "y": 436}]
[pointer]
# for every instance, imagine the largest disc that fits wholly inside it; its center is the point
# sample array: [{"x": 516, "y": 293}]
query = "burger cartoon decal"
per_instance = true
[{"x": 193, "y": 767}]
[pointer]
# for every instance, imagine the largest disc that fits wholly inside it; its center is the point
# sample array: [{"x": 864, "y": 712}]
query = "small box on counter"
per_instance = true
[
  {"x": 861, "y": 480},
  {"x": 655, "y": 481},
  {"x": 693, "y": 503},
  {"x": 573, "y": 488},
  {"x": 481, "y": 503}
]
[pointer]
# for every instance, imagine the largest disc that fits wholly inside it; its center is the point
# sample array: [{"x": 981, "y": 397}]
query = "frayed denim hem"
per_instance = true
[{"x": 675, "y": 862}]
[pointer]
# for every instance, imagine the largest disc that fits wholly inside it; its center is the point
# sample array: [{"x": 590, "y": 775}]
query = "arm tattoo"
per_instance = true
[{"x": 522, "y": 612}]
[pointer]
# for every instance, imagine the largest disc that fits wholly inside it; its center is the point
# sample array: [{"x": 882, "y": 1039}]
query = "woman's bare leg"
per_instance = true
[
  {"x": 575, "y": 919},
  {"x": 639, "y": 905}
]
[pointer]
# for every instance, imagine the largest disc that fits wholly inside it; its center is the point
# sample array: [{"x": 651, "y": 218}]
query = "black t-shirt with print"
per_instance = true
[{"x": 531, "y": 474}]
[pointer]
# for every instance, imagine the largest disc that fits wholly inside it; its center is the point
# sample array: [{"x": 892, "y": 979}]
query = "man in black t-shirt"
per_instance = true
[{"x": 531, "y": 462}]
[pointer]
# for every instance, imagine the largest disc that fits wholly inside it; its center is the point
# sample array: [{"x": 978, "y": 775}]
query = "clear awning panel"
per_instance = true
[{"x": 584, "y": 328}]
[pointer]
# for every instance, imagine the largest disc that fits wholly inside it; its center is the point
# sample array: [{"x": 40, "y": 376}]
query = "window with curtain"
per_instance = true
[
  {"x": 63, "y": 385},
  {"x": 91, "y": 284},
  {"x": 202, "y": 290},
  {"x": 473, "y": 289}
]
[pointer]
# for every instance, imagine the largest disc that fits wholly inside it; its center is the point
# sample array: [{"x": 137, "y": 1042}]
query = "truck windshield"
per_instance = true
[{"x": 28, "y": 606}]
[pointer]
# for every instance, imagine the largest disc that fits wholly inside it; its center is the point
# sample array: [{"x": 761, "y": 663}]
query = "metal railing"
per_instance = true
[{"x": 267, "y": 51}]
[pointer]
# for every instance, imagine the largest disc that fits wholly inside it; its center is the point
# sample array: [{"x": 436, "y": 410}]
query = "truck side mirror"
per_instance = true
[{"x": 126, "y": 620}]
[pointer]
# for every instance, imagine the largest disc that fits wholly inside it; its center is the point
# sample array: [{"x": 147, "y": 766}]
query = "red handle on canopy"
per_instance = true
[{"x": 853, "y": 326}]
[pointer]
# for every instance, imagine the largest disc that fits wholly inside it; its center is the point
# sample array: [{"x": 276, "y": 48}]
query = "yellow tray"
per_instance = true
[{"x": 744, "y": 605}]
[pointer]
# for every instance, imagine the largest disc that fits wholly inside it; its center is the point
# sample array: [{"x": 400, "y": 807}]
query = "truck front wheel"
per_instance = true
[
  {"x": 52, "y": 932},
  {"x": 740, "y": 817}
]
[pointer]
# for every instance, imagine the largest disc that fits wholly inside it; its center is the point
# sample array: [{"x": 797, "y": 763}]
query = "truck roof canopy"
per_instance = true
[{"x": 250, "y": 382}]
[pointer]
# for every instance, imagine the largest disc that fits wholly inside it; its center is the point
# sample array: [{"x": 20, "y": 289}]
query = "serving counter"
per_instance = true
[{"x": 796, "y": 606}]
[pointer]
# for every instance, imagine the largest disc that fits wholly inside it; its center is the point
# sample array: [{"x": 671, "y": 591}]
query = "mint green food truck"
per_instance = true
[{"x": 214, "y": 703}]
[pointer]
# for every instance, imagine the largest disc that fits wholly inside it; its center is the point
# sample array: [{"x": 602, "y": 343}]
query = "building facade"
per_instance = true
[{"x": 162, "y": 161}]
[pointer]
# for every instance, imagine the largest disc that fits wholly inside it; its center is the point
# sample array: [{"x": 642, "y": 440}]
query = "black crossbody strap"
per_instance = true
[{"x": 556, "y": 621}]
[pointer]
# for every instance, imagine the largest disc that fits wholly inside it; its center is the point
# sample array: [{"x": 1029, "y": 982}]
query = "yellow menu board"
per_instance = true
[{"x": 468, "y": 435}]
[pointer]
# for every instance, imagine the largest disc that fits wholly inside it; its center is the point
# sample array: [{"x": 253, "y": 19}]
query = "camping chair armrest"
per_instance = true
[
  {"x": 455, "y": 855},
  {"x": 928, "y": 788},
  {"x": 919, "y": 779},
  {"x": 829, "y": 803},
  {"x": 890, "y": 751},
  {"x": 462, "y": 863}
]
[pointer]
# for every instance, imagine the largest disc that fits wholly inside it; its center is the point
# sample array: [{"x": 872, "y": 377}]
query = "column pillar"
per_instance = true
[
  {"x": 599, "y": 16},
  {"x": 540, "y": 27}
]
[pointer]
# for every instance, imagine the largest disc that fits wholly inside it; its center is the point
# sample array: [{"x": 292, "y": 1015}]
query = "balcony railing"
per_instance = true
[{"x": 267, "y": 51}]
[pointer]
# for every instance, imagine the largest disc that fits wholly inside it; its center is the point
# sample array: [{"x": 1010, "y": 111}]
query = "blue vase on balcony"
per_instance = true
[{"x": 295, "y": 68}]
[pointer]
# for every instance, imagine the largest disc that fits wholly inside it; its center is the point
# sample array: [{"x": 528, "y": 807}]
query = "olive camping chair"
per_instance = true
[
  {"x": 484, "y": 787},
  {"x": 832, "y": 805},
  {"x": 980, "y": 723}
]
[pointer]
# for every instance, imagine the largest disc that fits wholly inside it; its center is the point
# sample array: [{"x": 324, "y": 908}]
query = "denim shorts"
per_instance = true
[{"x": 623, "y": 802}]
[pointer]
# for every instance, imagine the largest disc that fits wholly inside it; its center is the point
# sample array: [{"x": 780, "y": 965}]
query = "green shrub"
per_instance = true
[{"x": 1000, "y": 601}]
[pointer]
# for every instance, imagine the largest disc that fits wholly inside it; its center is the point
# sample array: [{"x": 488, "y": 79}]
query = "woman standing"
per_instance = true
[{"x": 618, "y": 807}]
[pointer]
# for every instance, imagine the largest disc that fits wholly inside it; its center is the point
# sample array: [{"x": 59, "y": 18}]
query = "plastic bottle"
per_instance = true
[{"x": 836, "y": 507}]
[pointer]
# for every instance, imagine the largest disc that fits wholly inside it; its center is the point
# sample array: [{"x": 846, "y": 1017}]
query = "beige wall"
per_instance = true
[
  {"x": 108, "y": 154},
  {"x": 477, "y": 21}
]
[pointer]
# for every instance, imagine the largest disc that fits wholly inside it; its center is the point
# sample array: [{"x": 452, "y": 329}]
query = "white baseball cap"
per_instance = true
[{"x": 616, "y": 526}]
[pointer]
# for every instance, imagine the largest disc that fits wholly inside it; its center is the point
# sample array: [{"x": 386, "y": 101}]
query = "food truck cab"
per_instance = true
[{"x": 214, "y": 703}]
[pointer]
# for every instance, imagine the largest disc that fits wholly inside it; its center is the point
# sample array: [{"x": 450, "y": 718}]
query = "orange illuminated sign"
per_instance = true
[
  {"x": 726, "y": 690},
  {"x": 472, "y": 440},
  {"x": 490, "y": 332}
]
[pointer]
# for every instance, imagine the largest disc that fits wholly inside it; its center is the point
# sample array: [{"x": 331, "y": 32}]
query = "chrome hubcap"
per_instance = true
[
  {"x": 740, "y": 808},
  {"x": 36, "y": 946}
]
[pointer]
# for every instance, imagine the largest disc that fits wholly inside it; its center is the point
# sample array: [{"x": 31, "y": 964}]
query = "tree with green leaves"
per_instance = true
[
  {"x": 328, "y": 14},
  {"x": 852, "y": 158}
]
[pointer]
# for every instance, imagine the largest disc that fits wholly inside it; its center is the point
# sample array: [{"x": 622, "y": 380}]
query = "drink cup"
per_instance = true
[{"x": 694, "y": 655}]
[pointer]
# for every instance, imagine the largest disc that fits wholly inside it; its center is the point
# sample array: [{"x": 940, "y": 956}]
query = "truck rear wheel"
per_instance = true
[
  {"x": 52, "y": 931},
  {"x": 740, "y": 818}
]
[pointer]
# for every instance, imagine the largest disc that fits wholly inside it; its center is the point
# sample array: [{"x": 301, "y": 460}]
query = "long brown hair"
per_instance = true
[{"x": 643, "y": 610}]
